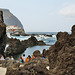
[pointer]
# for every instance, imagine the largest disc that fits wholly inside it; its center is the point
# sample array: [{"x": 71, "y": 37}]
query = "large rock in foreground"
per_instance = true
[
  {"x": 2, "y": 34},
  {"x": 36, "y": 66},
  {"x": 62, "y": 54}
]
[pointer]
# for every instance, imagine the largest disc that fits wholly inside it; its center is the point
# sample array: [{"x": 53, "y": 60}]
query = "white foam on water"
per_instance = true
[
  {"x": 8, "y": 35},
  {"x": 54, "y": 36},
  {"x": 6, "y": 47},
  {"x": 21, "y": 38}
]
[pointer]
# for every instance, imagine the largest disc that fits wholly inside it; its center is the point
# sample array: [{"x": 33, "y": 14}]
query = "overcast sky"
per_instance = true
[{"x": 43, "y": 15}]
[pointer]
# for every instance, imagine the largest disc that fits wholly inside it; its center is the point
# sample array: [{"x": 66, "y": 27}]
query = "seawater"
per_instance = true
[
  {"x": 30, "y": 50},
  {"x": 46, "y": 39}
]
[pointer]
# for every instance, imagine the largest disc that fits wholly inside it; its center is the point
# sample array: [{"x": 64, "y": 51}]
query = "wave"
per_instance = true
[
  {"x": 6, "y": 47},
  {"x": 47, "y": 38}
]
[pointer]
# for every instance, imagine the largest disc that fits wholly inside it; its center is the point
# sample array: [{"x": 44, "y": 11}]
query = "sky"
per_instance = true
[{"x": 43, "y": 15}]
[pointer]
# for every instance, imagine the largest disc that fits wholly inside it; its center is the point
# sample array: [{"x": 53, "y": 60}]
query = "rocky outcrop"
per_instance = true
[
  {"x": 37, "y": 53},
  {"x": 62, "y": 54},
  {"x": 73, "y": 31},
  {"x": 2, "y": 34},
  {"x": 32, "y": 41},
  {"x": 59, "y": 59},
  {"x": 16, "y": 46}
]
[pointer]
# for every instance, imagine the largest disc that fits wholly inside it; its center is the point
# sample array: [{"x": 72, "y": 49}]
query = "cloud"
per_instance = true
[{"x": 68, "y": 11}]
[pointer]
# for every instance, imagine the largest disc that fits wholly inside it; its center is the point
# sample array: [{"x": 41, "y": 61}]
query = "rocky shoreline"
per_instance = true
[
  {"x": 15, "y": 46},
  {"x": 59, "y": 58}
]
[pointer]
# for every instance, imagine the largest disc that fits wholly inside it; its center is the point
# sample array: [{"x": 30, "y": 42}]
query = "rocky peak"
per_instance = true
[{"x": 1, "y": 16}]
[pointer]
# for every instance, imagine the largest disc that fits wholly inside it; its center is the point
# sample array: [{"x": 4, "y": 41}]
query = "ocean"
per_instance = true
[{"x": 47, "y": 39}]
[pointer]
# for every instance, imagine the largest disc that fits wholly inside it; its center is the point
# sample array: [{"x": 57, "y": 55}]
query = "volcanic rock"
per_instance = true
[
  {"x": 2, "y": 34},
  {"x": 37, "y": 53},
  {"x": 60, "y": 59},
  {"x": 16, "y": 46},
  {"x": 33, "y": 67}
]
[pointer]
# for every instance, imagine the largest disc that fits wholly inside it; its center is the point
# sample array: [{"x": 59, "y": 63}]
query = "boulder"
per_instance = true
[
  {"x": 15, "y": 47},
  {"x": 37, "y": 53}
]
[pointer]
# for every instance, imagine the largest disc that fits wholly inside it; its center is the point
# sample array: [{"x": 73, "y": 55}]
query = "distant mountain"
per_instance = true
[{"x": 10, "y": 19}]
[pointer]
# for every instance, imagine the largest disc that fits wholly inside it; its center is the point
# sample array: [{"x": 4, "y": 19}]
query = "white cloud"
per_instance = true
[{"x": 68, "y": 11}]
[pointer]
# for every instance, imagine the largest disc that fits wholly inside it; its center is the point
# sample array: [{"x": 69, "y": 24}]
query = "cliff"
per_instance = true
[
  {"x": 2, "y": 34},
  {"x": 10, "y": 19}
]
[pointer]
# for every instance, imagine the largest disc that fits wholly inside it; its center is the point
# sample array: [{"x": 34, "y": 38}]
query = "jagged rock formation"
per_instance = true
[
  {"x": 62, "y": 54},
  {"x": 17, "y": 46},
  {"x": 61, "y": 58},
  {"x": 2, "y": 34},
  {"x": 10, "y": 19}
]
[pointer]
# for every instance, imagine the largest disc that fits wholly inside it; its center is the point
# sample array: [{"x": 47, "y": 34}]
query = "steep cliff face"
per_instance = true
[
  {"x": 2, "y": 34},
  {"x": 10, "y": 19}
]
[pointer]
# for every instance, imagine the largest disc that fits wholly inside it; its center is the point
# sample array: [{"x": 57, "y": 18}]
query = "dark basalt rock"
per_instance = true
[
  {"x": 16, "y": 46},
  {"x": 2, "y": 34},
  {"x": 62, "y": 54},
  {"x": 37, "y": 53}
]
